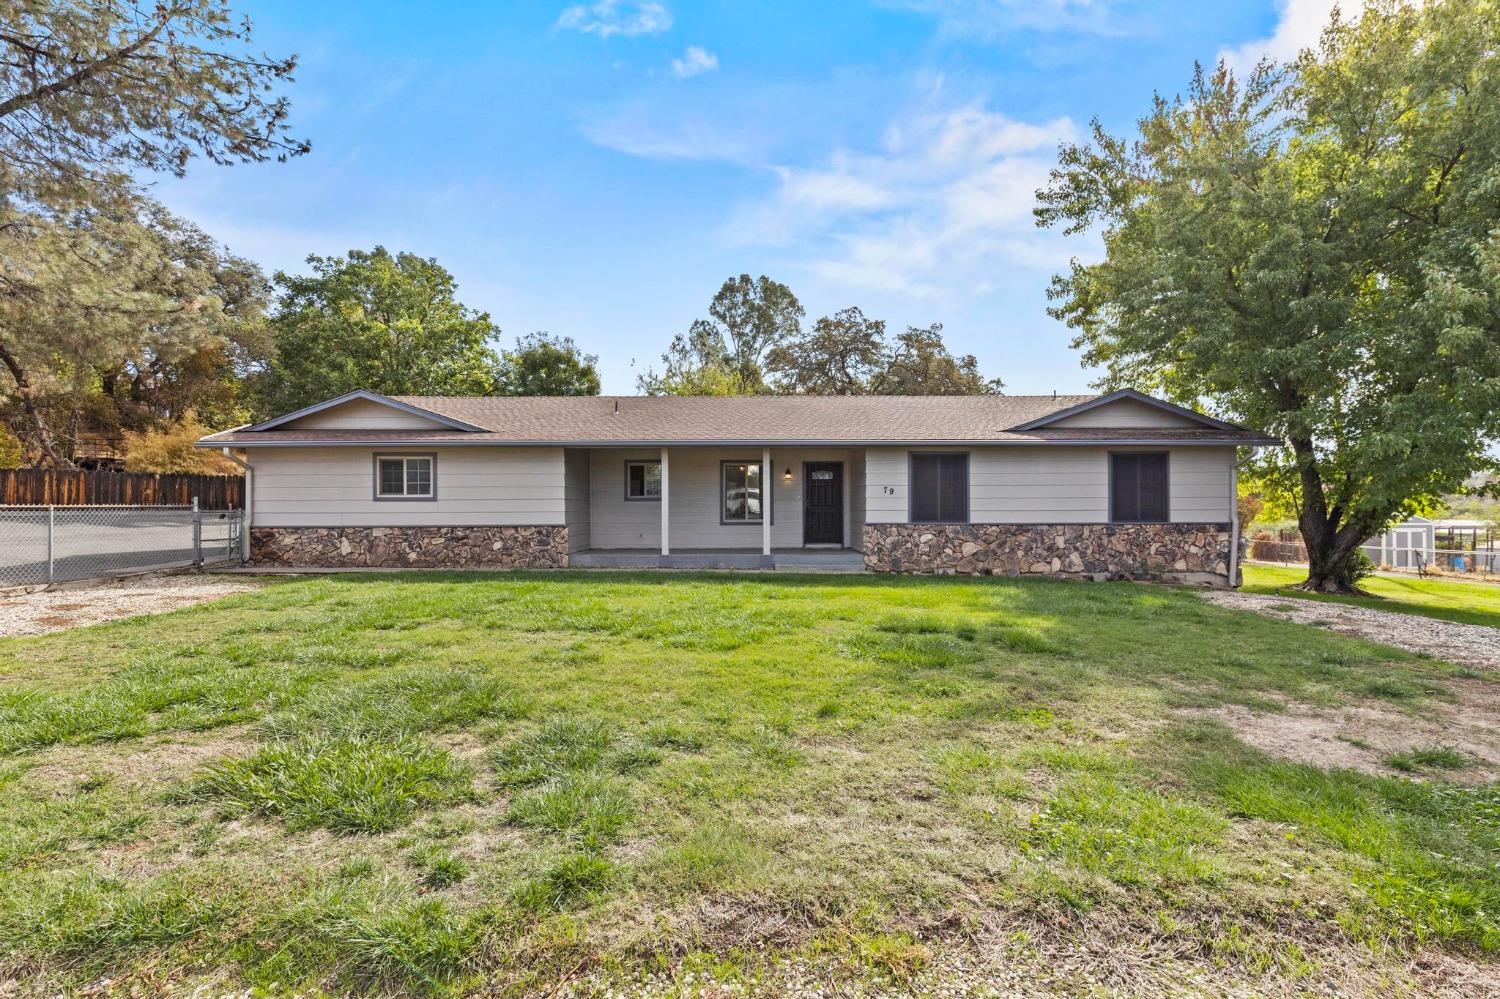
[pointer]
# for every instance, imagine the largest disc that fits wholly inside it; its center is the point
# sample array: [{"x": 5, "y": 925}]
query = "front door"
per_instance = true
[{"x": 823, "y": 503}]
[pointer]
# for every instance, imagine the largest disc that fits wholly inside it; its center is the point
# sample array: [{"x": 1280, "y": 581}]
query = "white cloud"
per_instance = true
[
  {"x": 635, "y": 129},
  {"x": 987, "y": 18},
  {"x": 617, "y": 17},
  {"x": 694, "y": 61},
  {"x": 1299, "y": 26},
  {"x": 940, "y": 208}
]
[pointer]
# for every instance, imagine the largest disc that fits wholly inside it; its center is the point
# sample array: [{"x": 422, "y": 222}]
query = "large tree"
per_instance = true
[
  {"x": 838, "y": 356},
  {"x": 1315, "y": 250},
  {"x": 920, "y": 364},
  {"x": 748, "y": 318},
  {"x": 92, "y": 289},
  {"x": 542, "y": 364},
  {"x": 380, "y": 321},
  {"x": 89, "y": 87}
]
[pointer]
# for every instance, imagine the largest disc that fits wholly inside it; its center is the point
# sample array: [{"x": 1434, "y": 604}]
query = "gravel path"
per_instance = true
[
  {"x": 1466, "y": 644},
  {"x": 72, "y": 606}
]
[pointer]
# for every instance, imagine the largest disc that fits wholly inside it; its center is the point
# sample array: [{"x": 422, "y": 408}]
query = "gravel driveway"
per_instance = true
[
  {"x": 72, "y": 606},
  {"x": 1466, "y": 644}
]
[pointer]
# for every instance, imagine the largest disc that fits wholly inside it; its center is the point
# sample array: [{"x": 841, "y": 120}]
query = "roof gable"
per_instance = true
[
  {"x": 363, "y": 410},
  {"x": 1123, "y": 409}
]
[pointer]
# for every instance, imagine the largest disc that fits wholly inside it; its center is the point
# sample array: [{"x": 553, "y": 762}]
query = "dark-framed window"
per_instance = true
[
  {"x": 643, "y": 480},
  {"x": 405, "y": 476},
  {"x": 1138, "y": 490},
  {"x": 939, "y": 487},
  {"x": 741, "y": 494}
]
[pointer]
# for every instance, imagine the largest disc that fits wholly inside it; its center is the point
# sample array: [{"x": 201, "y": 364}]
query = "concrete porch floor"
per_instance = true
[{"x": 786, "y": 559}]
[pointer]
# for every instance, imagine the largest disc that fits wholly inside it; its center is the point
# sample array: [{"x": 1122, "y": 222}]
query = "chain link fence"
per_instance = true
[
  {"x": 1474, "y": 563},
  {"x": 49, "y": 544}
]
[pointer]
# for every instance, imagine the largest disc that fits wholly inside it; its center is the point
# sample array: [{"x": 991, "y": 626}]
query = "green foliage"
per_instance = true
[
  {"x": 1314, "y": 249},
  {"x": 838, "y": 356},
  {"x": 346, "y": 784},
  {"x": 543, "y": 364},
  {"x": 96, "y": 87},
  {"x": 1431, "y": 758},
  {"x": 724, "y": 353},
  {"x": 919, "y": 364},
  {"x": 379, "y": 321},
  {"x": 99, "y": 292}
]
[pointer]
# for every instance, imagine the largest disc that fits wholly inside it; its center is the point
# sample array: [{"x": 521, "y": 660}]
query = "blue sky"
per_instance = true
[{"x": 597, "y": 169}]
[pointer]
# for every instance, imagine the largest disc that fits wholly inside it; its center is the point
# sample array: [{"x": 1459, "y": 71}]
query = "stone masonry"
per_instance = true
[
  {"x": 411, "y": 547},
  {"x": 1179, "y": 553}
]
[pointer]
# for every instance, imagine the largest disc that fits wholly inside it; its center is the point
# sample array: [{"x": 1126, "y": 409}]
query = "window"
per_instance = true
[
  {"x": 643, "y": 480},
  {"x": 1138, "y": 488},
  {"x": 741, "y": 492},
  {"x": 404, "y": 476},
  {"x": 940, "y": 488}
]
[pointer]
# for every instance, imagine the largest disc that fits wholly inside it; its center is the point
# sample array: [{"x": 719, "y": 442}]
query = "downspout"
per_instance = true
[
  {"x": 249, "y": 502},
  {"x": 1234, "y": 518}
]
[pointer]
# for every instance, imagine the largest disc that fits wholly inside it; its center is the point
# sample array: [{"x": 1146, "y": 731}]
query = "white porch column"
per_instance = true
[
  {"x": 666, "y": 548},
  {"x": 767, "y": 483}
]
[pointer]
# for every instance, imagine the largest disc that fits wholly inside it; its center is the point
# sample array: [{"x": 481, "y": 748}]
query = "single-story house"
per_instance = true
[{"x": 1116, "y": 485}]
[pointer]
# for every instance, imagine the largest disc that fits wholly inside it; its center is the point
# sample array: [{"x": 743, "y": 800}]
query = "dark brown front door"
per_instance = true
[{"x": 823, "y": 503}]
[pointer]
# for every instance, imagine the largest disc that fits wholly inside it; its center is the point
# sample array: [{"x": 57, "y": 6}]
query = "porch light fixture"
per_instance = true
[{"x": 787, "y": 474}]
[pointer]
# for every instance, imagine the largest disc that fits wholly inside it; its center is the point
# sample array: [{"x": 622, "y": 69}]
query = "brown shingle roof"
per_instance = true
[{"x": 624, "y": 420}]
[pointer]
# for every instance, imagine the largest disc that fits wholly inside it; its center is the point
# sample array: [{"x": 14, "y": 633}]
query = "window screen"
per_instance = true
[
  {"x": 1138, "y": 488},
  {"x": 402, "y": 477},
  {"x": 940, "y": 488},
  {"x": 643, "y": 480}
]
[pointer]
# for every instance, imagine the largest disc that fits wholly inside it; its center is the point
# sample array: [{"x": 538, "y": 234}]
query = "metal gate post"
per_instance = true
[
  {"x": 51, "y": 530},
  {"x": 197, "y": 535}
]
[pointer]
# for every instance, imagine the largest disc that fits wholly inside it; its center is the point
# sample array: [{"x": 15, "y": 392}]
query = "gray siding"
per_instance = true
[
  {"x": 576, "y": 497},
  {"x": 1125, "y": 413},
  {"x": 476, "y": 486},
  {"x": 363, "y": 414},
  {"x": 1055, "y": 485},
  {"x": 857, "y": 501},
  {"x": 694, "y": 494}
]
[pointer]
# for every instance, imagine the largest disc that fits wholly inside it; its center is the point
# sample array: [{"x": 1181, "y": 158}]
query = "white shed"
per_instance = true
[{"x": 1400, "y": 545}]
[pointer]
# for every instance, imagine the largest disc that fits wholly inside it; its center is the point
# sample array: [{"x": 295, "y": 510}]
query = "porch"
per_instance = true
[
  {"x": 780, "y": 559},
  {"x": 716, "y": 507}
]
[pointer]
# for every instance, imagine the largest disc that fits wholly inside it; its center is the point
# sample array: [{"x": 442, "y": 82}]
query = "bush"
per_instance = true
[{"x": 1356, "y": 568}]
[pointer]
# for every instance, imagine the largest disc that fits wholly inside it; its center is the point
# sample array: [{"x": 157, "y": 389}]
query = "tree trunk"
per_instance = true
[
  {"x": 39, "y": 434},
  {"x": 1329, "y": 544}
]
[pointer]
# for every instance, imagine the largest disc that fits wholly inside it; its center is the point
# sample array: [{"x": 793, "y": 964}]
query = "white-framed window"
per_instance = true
[
  {"x": 405, "y": 476},
  {"x": 741, "y": 493},
  {"x": 643, "y": 480}
]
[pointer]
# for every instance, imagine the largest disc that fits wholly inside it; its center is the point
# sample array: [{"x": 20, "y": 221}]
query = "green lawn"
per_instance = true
[
  {"x": 519, "y": 783},
  {"x": 1448, "y": 599}
]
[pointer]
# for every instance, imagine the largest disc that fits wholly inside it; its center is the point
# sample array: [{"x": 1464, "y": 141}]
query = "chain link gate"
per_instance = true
[{"x": 48, "y": 544}]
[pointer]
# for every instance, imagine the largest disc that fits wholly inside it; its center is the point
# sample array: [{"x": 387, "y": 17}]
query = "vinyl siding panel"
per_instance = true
[
  {"x": 333, "y": 487},
  {"x": 694, "y": 494},
  {"x": 363, "y": 414},
  {"x": 856, "y": 500},
  {"x": 1054, "y": 485},
  {"x": 576, "y": 497},
  {"x": 1125, "y": 413}
]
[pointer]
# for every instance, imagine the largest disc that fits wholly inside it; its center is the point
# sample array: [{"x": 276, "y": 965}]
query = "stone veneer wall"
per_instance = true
[
  {"x": 411, "y": 547},
  {"x": 1185, "y": 553}
]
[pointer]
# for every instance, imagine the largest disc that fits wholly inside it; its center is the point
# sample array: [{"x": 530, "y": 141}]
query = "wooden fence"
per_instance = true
[{"x": 60, "y": 487}]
